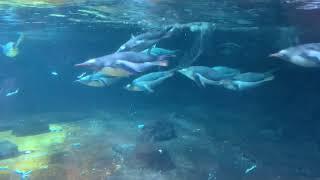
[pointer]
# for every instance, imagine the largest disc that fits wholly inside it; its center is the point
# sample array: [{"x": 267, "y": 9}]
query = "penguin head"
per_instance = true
[
  {"x": 9, "y": 45},
  {"x": 283, "y": 54}
]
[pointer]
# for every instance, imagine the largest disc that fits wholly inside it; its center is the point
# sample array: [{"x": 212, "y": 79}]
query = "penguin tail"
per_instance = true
[{"x": 270, "y": 78}]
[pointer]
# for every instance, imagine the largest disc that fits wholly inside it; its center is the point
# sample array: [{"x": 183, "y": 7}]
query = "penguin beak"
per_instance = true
[
  {"x": 127, "y": 87},
  {"x": 276, "y": 55},
  {"x": 81, "y": 65},
  {"x": 89, "y": 63}
]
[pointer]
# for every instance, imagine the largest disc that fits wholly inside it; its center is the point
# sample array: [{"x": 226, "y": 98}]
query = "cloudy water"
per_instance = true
[{"x": 159, "y": 90}]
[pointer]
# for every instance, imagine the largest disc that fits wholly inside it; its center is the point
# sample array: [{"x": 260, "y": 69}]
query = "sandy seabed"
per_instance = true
[{"x": 100, "y": 145}]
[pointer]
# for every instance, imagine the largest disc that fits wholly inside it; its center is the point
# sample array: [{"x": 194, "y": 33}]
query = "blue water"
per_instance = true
[{"x": 180, "y": 131}]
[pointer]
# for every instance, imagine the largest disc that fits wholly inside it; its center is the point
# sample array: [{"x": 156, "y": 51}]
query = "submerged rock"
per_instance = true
[
  {"x": 8, "y": 150},
  {"x": 144, "y": 155},
  {"x": 157, "y": 131},
  {"x": 153, "y": 157},
  {"x": 125, "y": 150}
]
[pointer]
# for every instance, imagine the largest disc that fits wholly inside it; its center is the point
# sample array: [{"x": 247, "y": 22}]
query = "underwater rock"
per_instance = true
[
  {"x": 125, "y": 150},
  {"x": 8, "y": 150},
  {"x": 26, "y": 129},
  {"x": 144, "y": 155},
  {"x": 153, "y": 157},
  {"x": 157, "y": 131}
]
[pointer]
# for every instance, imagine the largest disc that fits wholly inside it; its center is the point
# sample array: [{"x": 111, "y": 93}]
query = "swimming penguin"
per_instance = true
[
  {"x": 195, "y": 26},
  {"x": 246, "y": 80},
  {"x": 146, "y": 40},
  {"x": 217, "y": 74},
  {"x": 140, "y": 67},
  {"x": 124, "y": 61},
  {"x": 11, "y": 49},
  {"x": 116, "y": 72},
  {"x": 97, "y": 80},
  {"x": 228, "y": 71},
  {"x": 190, "y": 72},
  {"x": 306, "y": 55},
  {"x": 155, "y": 51},
  {"x": 149, "y": 81}
]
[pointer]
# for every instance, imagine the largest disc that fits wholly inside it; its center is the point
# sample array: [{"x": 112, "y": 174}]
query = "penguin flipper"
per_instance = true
[
  {"x": 148, "y": 88},
  {"x": 198, "y": 81},
  {"x": 150, "y": 49},
  {"x": 21, "y": 37}
]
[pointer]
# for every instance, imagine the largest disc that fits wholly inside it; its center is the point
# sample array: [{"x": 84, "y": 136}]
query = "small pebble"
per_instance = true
[
  {"x": 54, "y": 73},
  {"x": 76, "y": 145},
  {"x": 250, "y": 169},
  {"x": 140, "y": 126}
]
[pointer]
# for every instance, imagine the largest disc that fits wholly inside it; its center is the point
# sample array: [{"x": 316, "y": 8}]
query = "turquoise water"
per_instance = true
[{"x": 163, "y": 118}]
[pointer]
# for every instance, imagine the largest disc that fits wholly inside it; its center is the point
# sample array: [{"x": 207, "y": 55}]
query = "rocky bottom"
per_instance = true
[{"x": 159, "y": 145}]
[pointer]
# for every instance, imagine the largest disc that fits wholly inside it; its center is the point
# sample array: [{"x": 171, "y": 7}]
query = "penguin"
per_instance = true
[
  {"x": 11, "y": 49},
  {"x": 146, "y": 40},
  {"x": 141, "y": 67},
  {"x": 116, "y": 72},
  {"x": 147, "y": 82},
  {"x": 155, "y": 51},
  {"x": 97, "y": 80},
  {"x": 246, "y": 80},
  {"x": 305, "y": 55},
  {"x": 190, "y": 71},
  {"x": 217, "y": 74},
  {"x": 128, "y": 62},
  {"x": 224, "y": 70}
]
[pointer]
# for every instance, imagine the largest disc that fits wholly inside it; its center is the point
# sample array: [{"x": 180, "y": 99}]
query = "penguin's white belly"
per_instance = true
[
  {"x": 301, "y": 61},
  {"x": 246, "y": 85}
]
